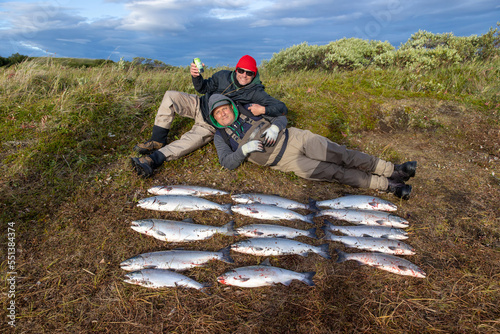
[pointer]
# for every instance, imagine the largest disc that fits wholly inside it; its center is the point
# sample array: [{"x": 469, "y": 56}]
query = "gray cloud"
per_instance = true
[{"x": 221, "y": 31}]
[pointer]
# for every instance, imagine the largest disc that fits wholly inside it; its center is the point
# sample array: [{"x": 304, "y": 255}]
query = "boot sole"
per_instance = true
[{"x": 142, "y": 169}]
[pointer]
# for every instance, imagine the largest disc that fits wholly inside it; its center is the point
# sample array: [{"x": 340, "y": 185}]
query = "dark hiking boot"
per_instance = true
[
  {"x": 399, "y": 189},
  {"x": 157, "y": 141},
  {"x": 403, "y": 172},
  {"x": 148, "y": 147},
  {"x": 144, "y": 166}
]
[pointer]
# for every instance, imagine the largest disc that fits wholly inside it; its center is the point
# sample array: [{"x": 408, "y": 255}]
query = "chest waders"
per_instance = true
[{"x": 271, "y": 155}]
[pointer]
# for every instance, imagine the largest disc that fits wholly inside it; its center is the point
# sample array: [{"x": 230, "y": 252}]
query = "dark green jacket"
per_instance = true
[{"x": 224, "y": 82}]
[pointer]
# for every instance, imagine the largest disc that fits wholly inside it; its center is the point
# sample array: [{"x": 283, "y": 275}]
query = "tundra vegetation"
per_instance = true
[{"x": 69, "y": 194}]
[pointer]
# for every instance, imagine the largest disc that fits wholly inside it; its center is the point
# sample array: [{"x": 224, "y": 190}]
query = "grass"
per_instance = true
[{"x": 66, "y": 183}]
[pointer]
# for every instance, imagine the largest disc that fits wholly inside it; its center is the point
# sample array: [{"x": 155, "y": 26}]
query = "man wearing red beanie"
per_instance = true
[{"x": 242, "y": 85}]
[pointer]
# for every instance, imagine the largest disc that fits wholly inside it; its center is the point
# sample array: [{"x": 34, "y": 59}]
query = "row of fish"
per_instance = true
[
  {"x": 374, "y": 238},
  {"x": 186, "y": 203},
  {"x": 377, "y": 231}
]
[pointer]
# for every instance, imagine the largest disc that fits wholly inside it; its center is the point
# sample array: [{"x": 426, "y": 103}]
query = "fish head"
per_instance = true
[
  {"x": 134, "y": 263},
  {"x": 241, "y": 199},
  {"x": 143, "y": 226},
  {"x": 240, "y": 244},
  {"x": 222, "y": 279},
  {"x": 136, "y": 277}
]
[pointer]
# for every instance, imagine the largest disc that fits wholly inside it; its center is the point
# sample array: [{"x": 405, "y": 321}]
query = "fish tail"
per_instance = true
[
  {"x": 341, "y": 256},
  {"x": 309, "y": 218},
  {"x": 307, "y": 278},
  {"x": 204, "y": 288},
  {"x": 226, "y": 257},
  {"x": 312, "y": 205},
  {"x": 327, "y": 224},
  {"x": 312, "y": 233},
  {"x": 229, "y": 229},
  {"x": 328, "y": 234},
  {"x": 324, "y": 251},
  {"x": 227, "y": 208}
]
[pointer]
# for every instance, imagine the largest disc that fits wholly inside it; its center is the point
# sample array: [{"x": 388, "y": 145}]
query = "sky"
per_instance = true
[{"x": 221, "y": 31}]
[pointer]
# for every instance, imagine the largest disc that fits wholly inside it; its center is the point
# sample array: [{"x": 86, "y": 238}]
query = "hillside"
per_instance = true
[{"x": 69, "y": 196}]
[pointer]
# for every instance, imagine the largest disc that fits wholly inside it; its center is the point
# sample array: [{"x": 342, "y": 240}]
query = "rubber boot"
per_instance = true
[
  {"x": 145, "y": 166},
  {"x": 399, "y": 189},
  {"x": 403, "y": 172},
  {"x": 157, "y": 141}
]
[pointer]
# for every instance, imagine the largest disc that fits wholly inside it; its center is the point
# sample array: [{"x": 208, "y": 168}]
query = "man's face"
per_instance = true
[
  {"x": 224, "y": 115},
  {"x": 243, "y": 77}
]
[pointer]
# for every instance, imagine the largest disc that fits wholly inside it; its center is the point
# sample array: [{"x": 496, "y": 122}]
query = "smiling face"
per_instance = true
[
  {"x": 224, "y": 115},
  {"x": 243, "y": 78}
]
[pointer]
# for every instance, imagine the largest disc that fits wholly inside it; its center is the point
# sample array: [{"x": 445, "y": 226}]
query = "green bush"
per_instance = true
[
  {"x": 423, "y": 50},
  {"x": 354, "y": 53}
]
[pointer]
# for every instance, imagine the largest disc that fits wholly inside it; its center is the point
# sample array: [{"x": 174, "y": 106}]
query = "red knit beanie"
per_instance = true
[{"x": 248, "y": 63}]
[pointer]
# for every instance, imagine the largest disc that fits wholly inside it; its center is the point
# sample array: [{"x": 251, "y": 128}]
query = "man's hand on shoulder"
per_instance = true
[{"x": 257, "y": 109}]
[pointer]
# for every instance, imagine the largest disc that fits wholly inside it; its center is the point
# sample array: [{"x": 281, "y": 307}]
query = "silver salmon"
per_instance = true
[
  {"x": 360, "y": 202},
  {"x": 180, "y": 231},
  {"x": 368, "y": 231},
  {"x": 162, "y": 278},
  {"x": 185, "y": 190},
  {"x": 386, "y": 262},
  {"x": 278, "y": 246},
  {"x": 274, "y": 231},
  {"x": 175, "y": 259},
  {"x": 270, "y": 212},
  {"x": 365, "y": 217},
  {"x": 263, "y": 275},
  {"x": 274, "y": 200},
  {"x": 181, "y": 203},
  {"x": 382, "y": 245}
]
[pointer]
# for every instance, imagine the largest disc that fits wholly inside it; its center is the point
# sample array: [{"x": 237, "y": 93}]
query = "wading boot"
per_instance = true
[
  {"x": 403, "y": 172},
  {"x": 145, "y": 166},
  {"x": 399, "y": 189},
  {"x": 157, "y": 141}
]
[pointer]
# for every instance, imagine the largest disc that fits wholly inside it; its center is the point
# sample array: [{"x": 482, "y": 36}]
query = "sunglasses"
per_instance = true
[{"x": 241, "y": 71}]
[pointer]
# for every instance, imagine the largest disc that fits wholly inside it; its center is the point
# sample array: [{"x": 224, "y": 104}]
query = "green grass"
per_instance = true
[{"x": 66, "y": 138}]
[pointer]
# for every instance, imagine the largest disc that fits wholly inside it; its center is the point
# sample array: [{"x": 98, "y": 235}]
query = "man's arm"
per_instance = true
[
  {"x": 265, "y": 104},
  {"x": 227, "y": 158}
]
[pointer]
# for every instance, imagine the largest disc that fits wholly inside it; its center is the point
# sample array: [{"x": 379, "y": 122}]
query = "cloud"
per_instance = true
[{"x": 221, "y": 31}]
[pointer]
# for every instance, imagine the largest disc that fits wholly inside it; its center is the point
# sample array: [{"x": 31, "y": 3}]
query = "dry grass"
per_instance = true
[{"x": 71, "y": 239}]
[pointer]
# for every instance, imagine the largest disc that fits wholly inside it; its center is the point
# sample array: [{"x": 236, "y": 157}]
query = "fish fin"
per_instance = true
[
  {"x": 308, "y": 278},
  {"x": 229, "y": 227},
  {"x": 309, "y": 218},
  {"x": 312, "y": 205},
  {"x": 341, "y": 256},
  {"x": 380, "y": 222},
  {"x": 304, "y": 254},
  {"x": 287, "y": 283},
  {"x": 312, "y": 233},
  {"x": 160, "y": 233},
  {"x": 150, "y": 266},
  {"x": 401, "y": 267},
  {"x": 392, "y": 248},
  {"x": 226, "y": 257},
  {"x": 266, "y": 262},
  {"x": 385, "y": 236},
  {"x": 189, "y": 220},
  {"x": 258, "y": 248},
  {"x": 364, "y": 235},
  {"x": 259, "y": 233},
  {"x": 325, "y": 251}
]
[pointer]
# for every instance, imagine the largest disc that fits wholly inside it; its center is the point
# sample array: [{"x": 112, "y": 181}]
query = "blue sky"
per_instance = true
[{"x": 221, "y": 31}]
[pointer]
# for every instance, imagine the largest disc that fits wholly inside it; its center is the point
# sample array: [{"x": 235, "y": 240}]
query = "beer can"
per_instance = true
[{"x": 197, "y": 62}]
